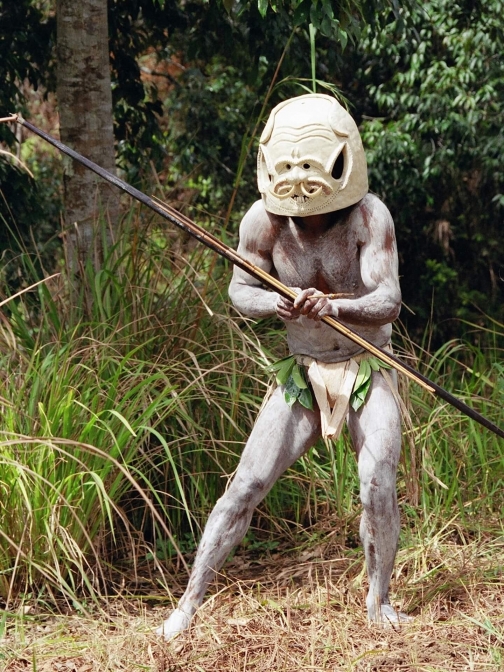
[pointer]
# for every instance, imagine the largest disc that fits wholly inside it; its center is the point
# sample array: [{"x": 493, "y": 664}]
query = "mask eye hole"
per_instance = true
[
  {"x": 306, "y": 166},
  {"x": 338, "y": 167},
  {"x": 288, "y": 166}
]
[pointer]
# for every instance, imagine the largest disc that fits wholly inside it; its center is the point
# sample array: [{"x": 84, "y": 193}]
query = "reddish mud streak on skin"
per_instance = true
[{"x": 351, "y": 251}]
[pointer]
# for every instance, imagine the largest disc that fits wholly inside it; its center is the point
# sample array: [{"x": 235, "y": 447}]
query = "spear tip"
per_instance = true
[{"x": 13, "y": 117}]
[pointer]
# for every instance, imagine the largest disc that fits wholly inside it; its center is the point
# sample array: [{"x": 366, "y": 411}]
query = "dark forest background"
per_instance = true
[{"x": 193, "y": 82}]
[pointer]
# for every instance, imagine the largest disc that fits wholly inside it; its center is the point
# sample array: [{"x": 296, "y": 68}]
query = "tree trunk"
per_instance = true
[{"x": 85, "y": 110}]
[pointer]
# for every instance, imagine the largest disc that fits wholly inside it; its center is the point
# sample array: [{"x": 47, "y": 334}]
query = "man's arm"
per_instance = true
[
  {"x": 257, "y": 236},
  {"x": 381, "y": 302}
]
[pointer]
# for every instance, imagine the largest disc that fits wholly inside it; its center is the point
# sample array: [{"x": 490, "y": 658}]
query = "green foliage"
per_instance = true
[
  {"x": 25, "y": 54},
  {"x": 363, "y": 380},
  {"x": 136, "y": 28},
  {"x": 292, "y": 375},
  {"x": 210, "y": 118},
  {"x": 339, "y": 21},
  {"x": 434, "y": 146},
  {"x": 25, "y": 63}
]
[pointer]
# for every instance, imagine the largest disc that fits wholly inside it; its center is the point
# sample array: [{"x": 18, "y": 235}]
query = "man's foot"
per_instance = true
[
  {"x": 177, "y": 622},
  {"x": 389, "y": 617}
]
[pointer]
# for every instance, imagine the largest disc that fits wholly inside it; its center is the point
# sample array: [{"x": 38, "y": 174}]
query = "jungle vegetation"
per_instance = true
[{"x": 125, "y": 402}]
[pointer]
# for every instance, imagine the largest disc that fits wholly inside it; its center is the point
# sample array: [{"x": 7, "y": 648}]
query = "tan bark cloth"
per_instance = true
[{"x": 332, "y": 385}]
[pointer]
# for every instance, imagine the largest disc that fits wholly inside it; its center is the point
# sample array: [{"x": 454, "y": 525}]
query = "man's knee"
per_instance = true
[
  {"x": 378, "y": 488},
  {"x": 246, "y": 491}
]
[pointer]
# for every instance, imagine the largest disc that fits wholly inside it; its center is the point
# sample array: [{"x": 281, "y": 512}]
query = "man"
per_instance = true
[{"x": 319, "y": 231}]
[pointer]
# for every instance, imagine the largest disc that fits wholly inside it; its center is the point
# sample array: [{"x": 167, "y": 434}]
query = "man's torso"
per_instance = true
[{"x": 330, "y": 262}]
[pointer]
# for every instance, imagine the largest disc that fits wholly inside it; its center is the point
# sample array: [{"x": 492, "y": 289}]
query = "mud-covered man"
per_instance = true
[{"x": 318, "y": 230}]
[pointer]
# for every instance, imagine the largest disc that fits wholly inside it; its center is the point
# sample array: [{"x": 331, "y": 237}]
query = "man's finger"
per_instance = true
[
  {"x": 303, "y": 296},
  {"x": 315, "y": 310},
  {"x": 310, "y": 305}
]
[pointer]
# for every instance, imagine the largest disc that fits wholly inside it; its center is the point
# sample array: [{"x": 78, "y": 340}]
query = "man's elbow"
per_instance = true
[
  {"x": 238, "y": 295},
  {"x": 241, "y": 298},
  {"x": 394, "y": 306},
  {"x": 252, "y": 301},
  {"x": 387, "y": 309},
  {"x": 232, "y": 292}
]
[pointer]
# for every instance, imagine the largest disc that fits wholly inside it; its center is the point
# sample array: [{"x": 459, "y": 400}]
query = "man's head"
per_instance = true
[{"x": 311, "y": 160}]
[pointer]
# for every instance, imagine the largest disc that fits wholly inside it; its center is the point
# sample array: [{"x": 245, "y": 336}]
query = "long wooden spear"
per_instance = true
[{"x": 218, "y": 246}]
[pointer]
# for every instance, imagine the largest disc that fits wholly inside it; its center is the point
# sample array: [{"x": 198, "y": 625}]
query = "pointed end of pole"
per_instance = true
[{"x": 12, "y": 117}]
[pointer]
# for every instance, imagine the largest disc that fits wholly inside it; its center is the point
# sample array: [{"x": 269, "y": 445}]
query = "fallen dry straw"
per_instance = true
[{"x": 303, "y": 611}]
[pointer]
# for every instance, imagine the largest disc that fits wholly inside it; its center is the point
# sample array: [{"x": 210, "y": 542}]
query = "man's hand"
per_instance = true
[
  {"x": 285, "y": 308},
  {"x": 310, "y": 302}
]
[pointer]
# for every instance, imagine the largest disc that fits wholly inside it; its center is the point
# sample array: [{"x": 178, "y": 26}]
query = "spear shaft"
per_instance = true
[{"x": 227, "y": 252}]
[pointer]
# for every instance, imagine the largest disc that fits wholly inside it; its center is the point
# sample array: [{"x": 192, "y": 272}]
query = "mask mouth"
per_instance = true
[{"x": 300, "y": 192}]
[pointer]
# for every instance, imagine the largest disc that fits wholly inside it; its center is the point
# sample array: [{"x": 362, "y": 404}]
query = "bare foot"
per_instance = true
[
  {"x": 177, "y": 622},
  {"x": 389, "y": 617}
]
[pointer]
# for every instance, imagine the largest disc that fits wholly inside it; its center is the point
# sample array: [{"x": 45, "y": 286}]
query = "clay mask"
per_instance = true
[{"x": 311, "y": 158}]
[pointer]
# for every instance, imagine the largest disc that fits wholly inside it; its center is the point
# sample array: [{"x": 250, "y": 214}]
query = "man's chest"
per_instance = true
[{"x": 329, "y": 262}]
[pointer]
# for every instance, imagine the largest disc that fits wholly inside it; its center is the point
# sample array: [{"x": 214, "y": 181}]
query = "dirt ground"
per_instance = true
[{"x": 290, "y": 612}]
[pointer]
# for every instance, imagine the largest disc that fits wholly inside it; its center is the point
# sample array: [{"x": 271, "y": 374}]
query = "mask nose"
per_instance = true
[{"x": 297, "y": 175}]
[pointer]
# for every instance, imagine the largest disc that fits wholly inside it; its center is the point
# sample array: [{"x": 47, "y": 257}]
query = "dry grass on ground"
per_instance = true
[{"x": 300, "y": 612}]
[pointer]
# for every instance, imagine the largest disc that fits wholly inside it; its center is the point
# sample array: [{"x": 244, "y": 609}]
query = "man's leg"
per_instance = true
[
  {"x": 279, "y": 437},
  {"x": 376, "y": 435}
]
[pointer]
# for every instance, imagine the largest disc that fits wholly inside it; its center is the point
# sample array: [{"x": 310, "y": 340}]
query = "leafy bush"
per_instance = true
[{"x": 434, "y": 144}]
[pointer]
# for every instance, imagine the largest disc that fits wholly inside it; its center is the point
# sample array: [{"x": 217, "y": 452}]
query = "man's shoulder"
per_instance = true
[
  {"x": 371, "y": 212},
  {"x": 258, "y": 221},
  {"x": 373, "y": 204},
  {"x": 256, "y": 212}
]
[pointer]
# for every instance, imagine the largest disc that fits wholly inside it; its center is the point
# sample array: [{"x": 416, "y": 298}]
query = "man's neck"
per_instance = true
[{"x": 316, "y": 224}]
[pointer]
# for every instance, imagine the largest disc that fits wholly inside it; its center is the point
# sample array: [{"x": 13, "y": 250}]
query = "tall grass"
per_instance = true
[
  {"x": 120, "y": 415},
  {"x": 461, "y": 462},
  {"x": 124, "y": 409}
]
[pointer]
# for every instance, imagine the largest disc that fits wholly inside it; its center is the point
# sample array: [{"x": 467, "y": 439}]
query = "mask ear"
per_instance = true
[
  {"x": 263, "y": 172},
  {"x": 334, "y": 119}
]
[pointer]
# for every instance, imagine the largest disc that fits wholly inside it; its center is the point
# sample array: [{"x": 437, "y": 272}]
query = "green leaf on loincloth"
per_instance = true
[
  {"x": 363, "y": 375},
  {"x": 296, "y": 388},
  {"x": 271, "y": 368},
  {"x": 363, "y": 380},
  {"x": 373, "y": 363},
  {"x": 358, "y": 397},
  {"x": 377, "y": 364},
  {"x": 293, "y": 376},
  {"x": 291, "y": 392},
  {"x": 285, "y": 369},
  {"x": 298, "y": 377},
  {"x": 305, "y": 398}
]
